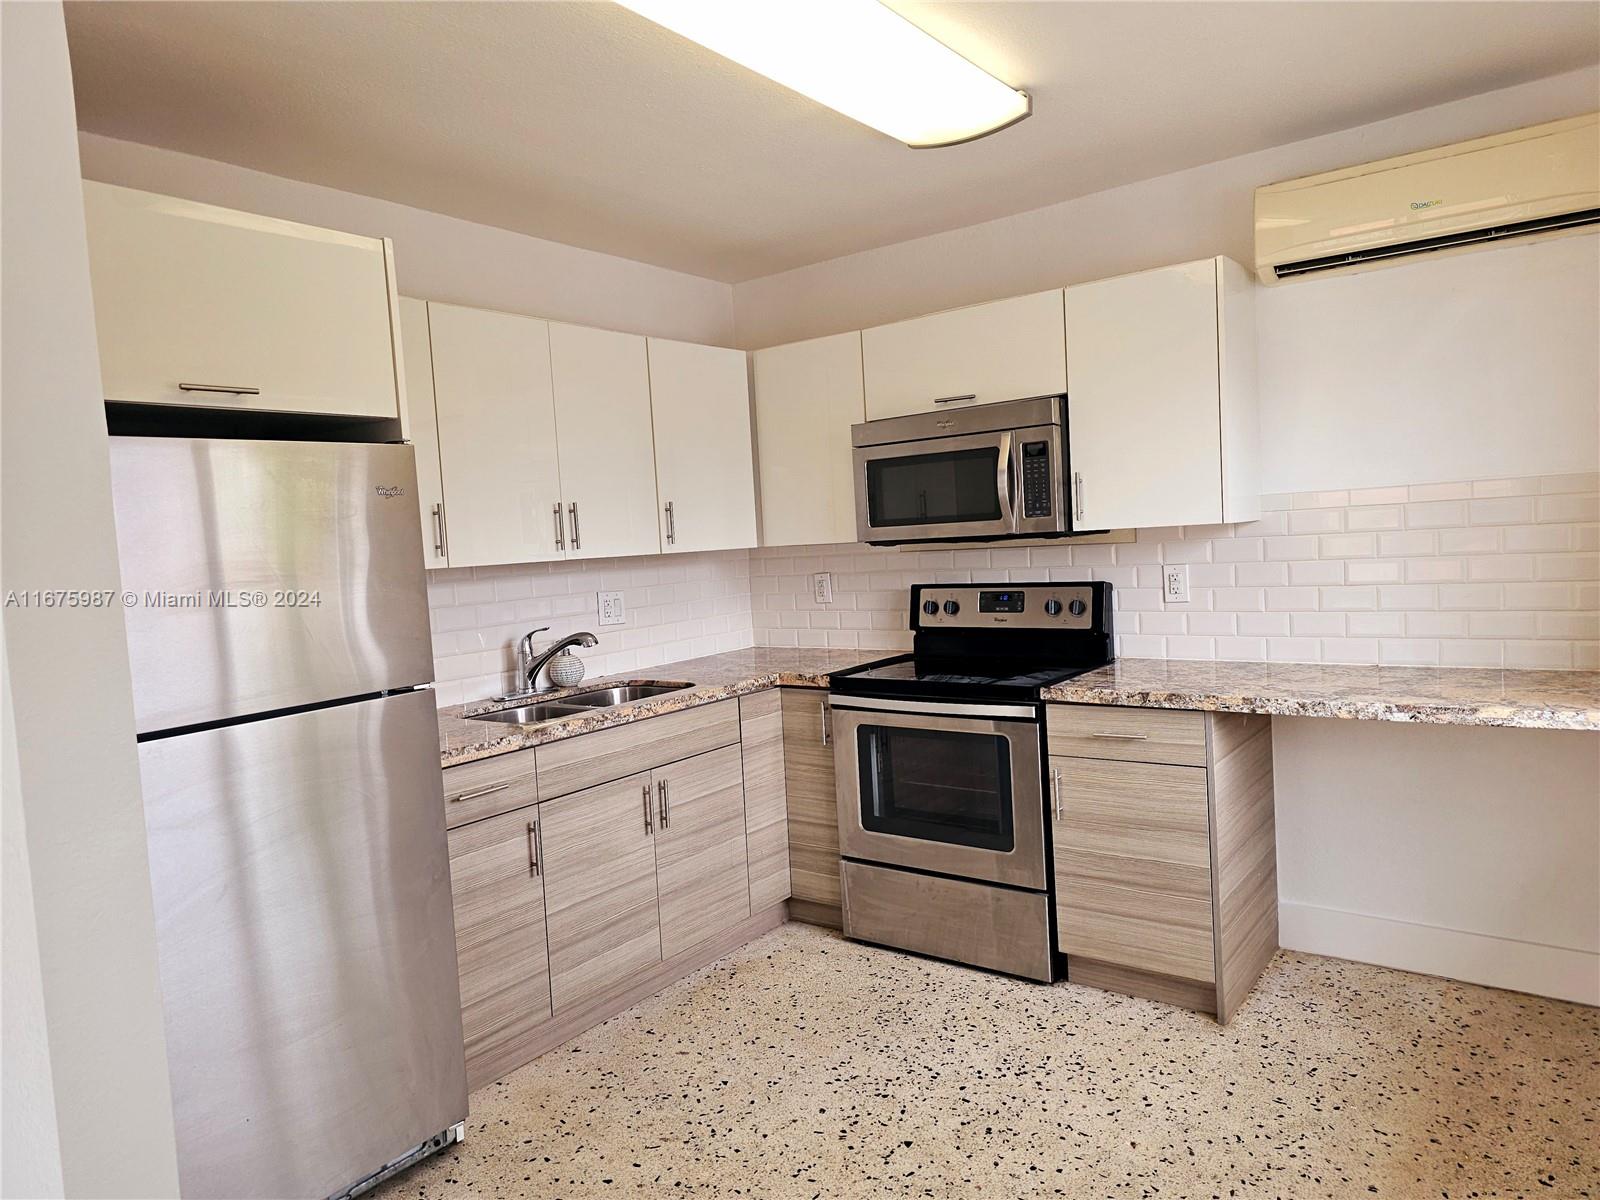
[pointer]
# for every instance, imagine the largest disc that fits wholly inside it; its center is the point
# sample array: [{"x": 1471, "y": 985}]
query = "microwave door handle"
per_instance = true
[{"x": 1004, "y": 483}]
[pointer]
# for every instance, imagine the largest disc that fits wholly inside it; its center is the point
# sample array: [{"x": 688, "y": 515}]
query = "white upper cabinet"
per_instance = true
[
  {"x": 807, "y": 395},
  {"x": 1161, "y": 398},
  {"x": 497, "y": 436},
  {"x": 206, "y": 306},
  {"x": 705, "y": 477},
  {"x": 1004, "y": 350},
  {"x": 424, "y": 430},
  {"x": 608, "y": 466}
]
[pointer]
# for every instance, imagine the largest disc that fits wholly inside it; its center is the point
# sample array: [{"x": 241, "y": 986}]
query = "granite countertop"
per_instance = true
[
  {"x": 716, "y": 677},
  {"x": 1425, "y": 695}
]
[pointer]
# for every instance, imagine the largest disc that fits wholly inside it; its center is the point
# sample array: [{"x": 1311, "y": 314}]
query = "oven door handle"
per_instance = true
[
  {"x": 932, "y": 708},
  {"x": 1004, "y": 482}
]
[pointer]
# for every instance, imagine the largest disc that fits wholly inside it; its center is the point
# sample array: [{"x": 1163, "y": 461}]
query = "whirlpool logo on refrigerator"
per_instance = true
[{"x": 389, "y": 491}]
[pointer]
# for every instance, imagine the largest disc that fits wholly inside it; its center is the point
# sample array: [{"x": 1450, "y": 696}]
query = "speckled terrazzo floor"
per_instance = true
[{"x": 807, "y": 1066}]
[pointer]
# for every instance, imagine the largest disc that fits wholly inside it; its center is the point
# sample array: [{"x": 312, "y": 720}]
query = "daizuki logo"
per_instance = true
[
  {"x": 1417, "y": 205},
  {"x": 389, "y": 491}
]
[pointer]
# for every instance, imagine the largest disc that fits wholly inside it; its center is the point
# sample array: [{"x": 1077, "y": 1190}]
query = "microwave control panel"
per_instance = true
[
  {"x": 987, "y": 606},
  {"x": 1036, "y": 497}
]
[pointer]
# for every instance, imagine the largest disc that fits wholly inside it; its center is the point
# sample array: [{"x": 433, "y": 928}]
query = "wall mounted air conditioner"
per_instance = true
[{"x": 1542, "y": 181}]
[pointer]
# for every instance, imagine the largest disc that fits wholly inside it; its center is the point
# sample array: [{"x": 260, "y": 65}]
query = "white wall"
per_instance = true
[
  {"x": 1508, "y": 892},
  {"x": 443, "y": 258},
  {"x": 87, "y": 1106}
]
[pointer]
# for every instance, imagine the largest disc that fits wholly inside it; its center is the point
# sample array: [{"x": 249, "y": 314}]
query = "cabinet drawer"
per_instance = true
[
  {"x": 594, "y": 758},
  {"x": 1152, "y": 735},
  {"x": 489, "y": 787},
  {"x": 1132, "y": 810},
  {"x": 1159, "y": 932}
]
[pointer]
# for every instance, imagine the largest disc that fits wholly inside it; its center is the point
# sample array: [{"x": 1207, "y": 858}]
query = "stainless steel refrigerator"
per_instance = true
[{"x": 288, "y": 747}]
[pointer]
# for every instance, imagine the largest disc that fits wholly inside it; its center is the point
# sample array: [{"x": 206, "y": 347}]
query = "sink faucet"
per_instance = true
[{"x": 530, "y": 666}]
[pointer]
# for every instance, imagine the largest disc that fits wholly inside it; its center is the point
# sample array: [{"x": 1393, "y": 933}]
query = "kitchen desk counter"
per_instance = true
[
  {"x": 715, "y": 677},
  {"x": 1422, "y": 695}
]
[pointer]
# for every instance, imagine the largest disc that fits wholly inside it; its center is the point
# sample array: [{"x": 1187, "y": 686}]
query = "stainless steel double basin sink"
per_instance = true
[{"x": 579, "y": 703}]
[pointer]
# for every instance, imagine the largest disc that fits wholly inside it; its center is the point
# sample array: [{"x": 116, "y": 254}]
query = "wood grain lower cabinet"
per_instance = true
[
  {"x": 601, "y": 912},
  {"x": 498, "y": 893},
  {"x": 766, "y": 805},
  {"x": 1165, "y": 852},
  {"x": 702, "y": 881},
  {"x": 808, "y": 775}
]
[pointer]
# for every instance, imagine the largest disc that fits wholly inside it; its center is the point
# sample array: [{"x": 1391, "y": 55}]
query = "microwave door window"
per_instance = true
[
  {"x": 937, "y": 785},
  {"x": 955, "y": 487}
]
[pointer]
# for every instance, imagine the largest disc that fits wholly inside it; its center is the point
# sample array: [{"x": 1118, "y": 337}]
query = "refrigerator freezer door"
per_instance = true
[
  {"x": 267, "y": 575},
  {"x": 307, "y": 946}
]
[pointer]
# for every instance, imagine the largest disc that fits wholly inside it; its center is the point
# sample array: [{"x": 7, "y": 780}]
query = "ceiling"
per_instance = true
[{"x": 586, "y": 124}]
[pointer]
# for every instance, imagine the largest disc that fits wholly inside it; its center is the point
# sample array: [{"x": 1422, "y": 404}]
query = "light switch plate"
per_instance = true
[
  {"x": 612, "y": 611},
  {"x": 822, "y": 587},
  {"x": 1175, "y": 583}
]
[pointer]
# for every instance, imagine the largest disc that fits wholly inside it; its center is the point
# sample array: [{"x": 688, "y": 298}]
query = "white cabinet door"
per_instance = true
[
  {"x": 1143, "y": 406},
  {"x": 206, "y": 306},
  {"x": 1004, "y": 350},
  {"x": 608, "y": 466},
  {"x": 424, "y": 429},
  {"x": 808, "y": 394},
  {"x": 497, "y": 435},
  {"x": 705, "y": 472}
]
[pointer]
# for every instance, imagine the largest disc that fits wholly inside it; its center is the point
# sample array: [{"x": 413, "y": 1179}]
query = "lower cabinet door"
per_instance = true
[
  {"x": 498, "y": 892},
  {"x": 701, "y": 864},
  {"x": 600, "y": 888},
  {"x": 808, "y": 775}
]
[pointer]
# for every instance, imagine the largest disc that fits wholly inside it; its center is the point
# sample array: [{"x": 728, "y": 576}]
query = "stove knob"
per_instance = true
[
  {"x": 1052, "y": 608},
  {"x": 930, "y": 607},
  {"x": 1077, "y": 608},
  {"x": 951, "y": 608}
]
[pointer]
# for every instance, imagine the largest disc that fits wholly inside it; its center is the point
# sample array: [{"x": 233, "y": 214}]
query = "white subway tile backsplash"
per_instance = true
[{"x": 1476, "y": 573}]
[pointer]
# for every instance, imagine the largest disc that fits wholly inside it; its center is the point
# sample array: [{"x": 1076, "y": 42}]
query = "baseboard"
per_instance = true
[{"x": 1552, "y": 971}]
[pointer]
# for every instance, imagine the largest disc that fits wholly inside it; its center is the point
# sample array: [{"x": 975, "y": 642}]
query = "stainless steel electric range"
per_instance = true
[{"x": 940, "y": 756}]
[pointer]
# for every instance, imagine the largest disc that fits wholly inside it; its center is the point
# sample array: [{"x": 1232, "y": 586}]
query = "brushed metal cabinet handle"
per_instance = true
[
  {"x": 572, "y": 509},
  {"x": 438, "y": 529},
  {"x": 218, "y": 387},
  {"x": 483, "y": 791},
  {"x": 955, "y": 399},
  {"x": 649, "y": 829},
  {"x": 672, "y": 525},
  {"x": 533, "y": 852},
  {"x": 561, "y": 536},
  {"x": 1055, "y": 790},
  {"x": 1123, "y": 737},
  {"x": 827, "y": 725},
  {"x": 1077, "y": 488},
  {"x": 661, "y": 800}
]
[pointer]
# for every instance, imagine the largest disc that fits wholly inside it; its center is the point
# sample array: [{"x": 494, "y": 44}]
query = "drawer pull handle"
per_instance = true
[
  {"x": 955, "y": 399},
  {"x": 483, "y": 791},
  {"x": 1123, "y": 737},
  {"x": 220, "y": 388}
]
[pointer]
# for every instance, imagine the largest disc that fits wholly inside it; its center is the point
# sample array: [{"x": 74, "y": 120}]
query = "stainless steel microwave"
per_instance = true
[{"x": 993, "y": 471}]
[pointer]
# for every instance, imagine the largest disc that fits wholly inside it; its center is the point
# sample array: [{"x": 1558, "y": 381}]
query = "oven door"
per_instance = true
[
  {"x": 944, "y": 787},
  {"x": 949, "y": 487}
]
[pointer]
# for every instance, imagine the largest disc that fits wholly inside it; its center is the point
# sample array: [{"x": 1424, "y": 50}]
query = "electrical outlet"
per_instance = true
[
  {"x": 612, "y": 611},
  {"x": 822, "y": 587},
  {"x": 1175, "y": 583}
]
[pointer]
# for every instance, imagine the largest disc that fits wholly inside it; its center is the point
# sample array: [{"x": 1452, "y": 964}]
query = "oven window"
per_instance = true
[
  {"x": 953, "y": 487},
  {"x": 936, "y": 785}
]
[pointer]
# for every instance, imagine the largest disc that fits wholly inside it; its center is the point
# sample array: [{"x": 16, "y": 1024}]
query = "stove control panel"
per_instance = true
[{"x": 998, "y": 606}]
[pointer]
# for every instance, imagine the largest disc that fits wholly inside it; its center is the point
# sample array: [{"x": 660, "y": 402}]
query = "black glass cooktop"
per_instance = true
[{"x": 973, "y": 677}]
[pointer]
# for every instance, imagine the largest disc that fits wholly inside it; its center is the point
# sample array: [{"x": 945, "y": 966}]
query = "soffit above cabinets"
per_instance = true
[{"x": 586, "y": 124}]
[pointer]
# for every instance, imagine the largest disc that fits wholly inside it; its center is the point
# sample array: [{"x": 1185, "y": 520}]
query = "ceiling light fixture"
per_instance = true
[{"x": 857, "y": 57}]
